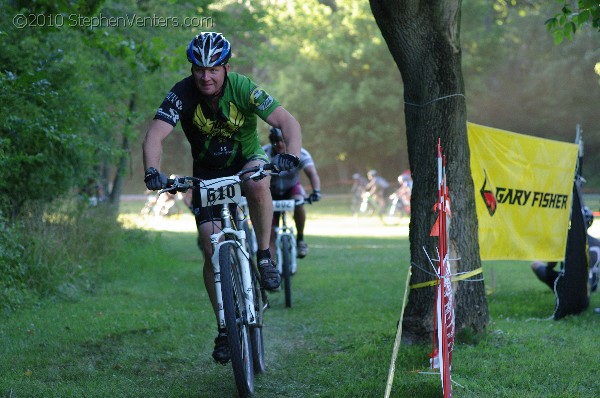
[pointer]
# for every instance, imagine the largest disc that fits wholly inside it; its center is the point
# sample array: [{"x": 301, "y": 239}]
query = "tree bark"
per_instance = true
[
  {"x": 423, "y": 38},
  {"x": 118, "y": 181}
]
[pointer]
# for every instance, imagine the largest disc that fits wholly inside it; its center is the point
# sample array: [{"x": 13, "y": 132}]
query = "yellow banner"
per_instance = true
[{"x": 523, "y": 194}]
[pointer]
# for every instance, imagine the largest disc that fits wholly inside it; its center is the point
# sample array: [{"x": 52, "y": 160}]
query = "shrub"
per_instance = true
[{"x": 54, "y": 250}]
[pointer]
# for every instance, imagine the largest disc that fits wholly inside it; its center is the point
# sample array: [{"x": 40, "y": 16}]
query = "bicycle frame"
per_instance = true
[
  {"x": 240, "y": 298},
  {"x": 239, "y": 237},
  {"x": 282, "y": 229},
  {"x": 251, "y": 239}
]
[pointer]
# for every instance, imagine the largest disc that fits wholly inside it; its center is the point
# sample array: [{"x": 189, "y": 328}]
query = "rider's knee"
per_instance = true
[{"x": 258, "y": 189}]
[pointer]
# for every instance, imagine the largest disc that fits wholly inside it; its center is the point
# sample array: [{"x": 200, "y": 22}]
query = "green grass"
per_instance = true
[
  {"x": 592, "y": 201},
  {"x": 146, "y": 330}
]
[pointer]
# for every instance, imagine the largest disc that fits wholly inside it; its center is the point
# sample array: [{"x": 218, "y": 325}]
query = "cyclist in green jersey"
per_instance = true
[{"x": 218, "y": 110}]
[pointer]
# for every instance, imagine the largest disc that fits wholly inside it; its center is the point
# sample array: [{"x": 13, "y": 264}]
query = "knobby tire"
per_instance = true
[
  {"x": 238, "y": 331},
  {"x": 286, "y": 268},
  {"x": 256, "y": 332},
  {"x": 250, "y": 239}
]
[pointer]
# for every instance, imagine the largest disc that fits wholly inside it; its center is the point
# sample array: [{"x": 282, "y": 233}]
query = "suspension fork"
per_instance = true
[{"x": 239, "y": 239}]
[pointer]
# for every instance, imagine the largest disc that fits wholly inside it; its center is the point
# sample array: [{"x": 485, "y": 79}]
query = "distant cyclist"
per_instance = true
[
  {"x": 358, "y": 184},
  {"x": 378, "y": 189},
  {"x": 401, "y": 197},
  {"x": 287, "y": 186}
]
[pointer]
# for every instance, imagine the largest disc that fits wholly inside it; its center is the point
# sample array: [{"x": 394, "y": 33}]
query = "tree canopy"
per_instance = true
[
  {"x": 570, "y": 18},
  {"x": 79, "y": 91}
]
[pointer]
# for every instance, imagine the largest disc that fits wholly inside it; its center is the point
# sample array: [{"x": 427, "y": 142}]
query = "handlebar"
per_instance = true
[
  {"x": 297, "y": 202},
  {"x": 182, "y": 184}
]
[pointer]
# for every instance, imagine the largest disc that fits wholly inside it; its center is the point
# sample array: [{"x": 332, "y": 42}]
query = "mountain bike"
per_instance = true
[
  {"x": 285, "y": 244},
  {"x": 398, "y": 208},
  {"x": 368, "y": 205},
  {"x": 359, "y": 184},
  {"x": 241, "y": 299}
]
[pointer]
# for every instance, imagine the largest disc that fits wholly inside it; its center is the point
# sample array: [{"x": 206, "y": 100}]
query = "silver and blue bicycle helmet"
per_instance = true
[{"x": 209, "y": 49}]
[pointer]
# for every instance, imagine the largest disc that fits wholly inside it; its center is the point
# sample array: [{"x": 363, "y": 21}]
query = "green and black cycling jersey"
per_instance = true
[{"x": 222, "y": 140}]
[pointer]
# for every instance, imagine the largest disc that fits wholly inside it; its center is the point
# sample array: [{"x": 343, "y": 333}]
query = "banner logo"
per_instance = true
[
  {"x": 523, "y": 190},
  {"x": 488, "y": 196},
  {"x": 519, "y": 197}
]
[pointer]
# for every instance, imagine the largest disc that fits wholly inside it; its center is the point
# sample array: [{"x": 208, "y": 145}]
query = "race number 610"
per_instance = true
[{"x": 220, "y": 193}]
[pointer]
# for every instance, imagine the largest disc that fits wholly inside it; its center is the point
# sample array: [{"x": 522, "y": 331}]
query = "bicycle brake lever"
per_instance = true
[
  {"x": 179, "y": 185},
  {"x": 258, "y": 175},
  {"x": 261, "y": 172},
  {"x": 166, "y": 190}
]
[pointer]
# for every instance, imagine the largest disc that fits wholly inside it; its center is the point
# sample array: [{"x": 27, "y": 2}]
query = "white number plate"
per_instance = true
[
  {"x": 284, "y": 205},
  {"x": 220, "y": 191}
]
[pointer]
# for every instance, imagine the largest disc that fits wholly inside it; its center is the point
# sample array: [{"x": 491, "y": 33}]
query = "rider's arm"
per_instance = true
[
  {"x": 292, "y": 133},
  {"x": 152, "y": 146},
  {"x": 313, "y": 176}
]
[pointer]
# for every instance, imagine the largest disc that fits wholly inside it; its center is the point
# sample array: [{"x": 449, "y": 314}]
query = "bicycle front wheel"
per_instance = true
[
  {"x": 238, "y": 331},
  {"x": 251, "y": 244},
  {"x": 256, "y": 332},
  {"x": 286, "y": 267}
]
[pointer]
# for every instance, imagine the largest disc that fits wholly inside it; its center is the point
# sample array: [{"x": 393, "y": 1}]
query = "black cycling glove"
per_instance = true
[
  {"x": 286, "y": 161},
  {"x": 315, "y": 196},
  {"x": 154, "y": 179}
]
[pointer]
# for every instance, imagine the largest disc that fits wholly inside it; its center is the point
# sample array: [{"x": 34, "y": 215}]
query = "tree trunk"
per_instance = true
[
  {"x": 423, "y": 38},
  {"x": 118, "y": 181}
]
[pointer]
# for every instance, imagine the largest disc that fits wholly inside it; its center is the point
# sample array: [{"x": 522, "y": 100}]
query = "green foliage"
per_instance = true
[
  {"x": 331, "y": 68},
  {"x": 53, "y": 7},
  {"x": 53, "y": 250},
  {"x": 45, "y": 131},
  {"x": 71, "y": 93},
  {"x": 74, "y": 84},
  {"x": 85, "y": 88},
  {"x": 13, "y": 273},
  {"x": 50, "y": 134},
  {"x": 565, "y": 24},
  {"x": 482, "y": 38},
  {"x": 520, "y": 81}
]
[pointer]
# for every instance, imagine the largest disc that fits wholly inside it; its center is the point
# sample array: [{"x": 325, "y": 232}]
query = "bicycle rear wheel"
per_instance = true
[
  {"x": 238, "y": 331},
  {"x": 256, "y": 332},
  {"x": 286, "y": 267}
]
